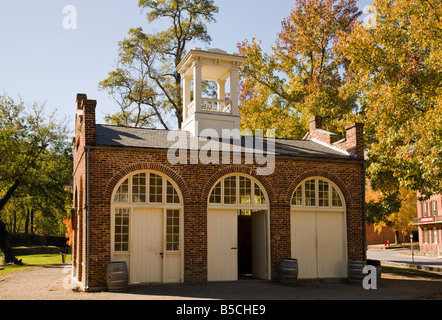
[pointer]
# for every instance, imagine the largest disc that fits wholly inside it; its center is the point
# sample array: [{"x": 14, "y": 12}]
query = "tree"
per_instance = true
[
  {"x": 304, "y": 74},
  {"x": 36, "y": 162},
  {"x": 396, "y": 73},
  {"x": 145, "y": 84},
  {"x": 395, "y": 210}
]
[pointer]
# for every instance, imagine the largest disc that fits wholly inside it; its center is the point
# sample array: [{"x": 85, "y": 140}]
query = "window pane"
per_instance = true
[
  {"x": 155, "y": 188},
  {"x": 245, "y": 190},
  {"x": 171, "y": 194},
  {"x": 297, "y": 197},
  {"x": 215, "y": 197},
  {"x": 121, "y": 234},
  {"x": 230, "y": 190},
  {"x": 122, "y": 194},
  {"x": 173, "y": 230},
  {"x": 323, "y": 189},
  {"x": 310, "y": 195},
  {"x": 259, "y": 195},
  {"x": 424, "y": 209},
  {"x": 139, "y": 188},
  {"x": 336, "y": 199},
  {"x": 433, "y": 208}
]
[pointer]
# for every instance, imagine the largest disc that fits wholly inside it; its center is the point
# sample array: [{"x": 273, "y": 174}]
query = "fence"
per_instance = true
[{"x": 25, "y": 239}]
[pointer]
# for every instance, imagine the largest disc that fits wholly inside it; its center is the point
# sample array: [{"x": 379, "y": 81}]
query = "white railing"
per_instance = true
[
  {"x": 210, "y": 105},
  {"x": 190, "y": 109},
  {"x": 216, "y": 105}
]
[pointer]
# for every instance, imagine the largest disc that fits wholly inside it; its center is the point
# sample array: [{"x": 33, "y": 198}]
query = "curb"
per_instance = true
[{"x": 411, "y": 266}]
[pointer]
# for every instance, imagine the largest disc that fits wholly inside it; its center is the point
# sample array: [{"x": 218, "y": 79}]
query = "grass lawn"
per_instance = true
[{"x": 32, "y": 261}]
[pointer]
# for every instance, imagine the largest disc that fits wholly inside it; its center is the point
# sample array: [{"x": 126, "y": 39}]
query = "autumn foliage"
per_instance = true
[{"x": 69, "y": 231}]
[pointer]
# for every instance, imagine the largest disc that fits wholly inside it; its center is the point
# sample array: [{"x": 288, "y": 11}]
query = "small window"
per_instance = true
[
  {"x": 171, "y": 194},
  {"x": 425, "y": 232},
  {"x": 424, "y": 209},
  {"x": 173, "y": 230},
  {"x": 245, "y": 190},
  {"x": 121, "y": 234},
  {"x": 433, "y": 208},
  {"x": 297, "y": 197},
  {"x": 139, "y": 188},
  {"x": 435, "y": 236},
  {"x": 155, "y": 188},
  {"x": 310, "y": 193},
  {"x": 122, "y": 194},
  {"x": 336, "y": 199},
  {"x": 323, "y": 189},
  {"x": 215, "y": 197},
  {"x": 230, "y": 190},
  {"x": 259, "y": 195}
]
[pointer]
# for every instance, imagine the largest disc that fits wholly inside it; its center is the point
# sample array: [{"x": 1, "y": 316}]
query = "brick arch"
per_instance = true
[
  {"x": 173, "y": 175},
  {"x": 319, "y": 173},
  {"x": 245, "y": 170}
]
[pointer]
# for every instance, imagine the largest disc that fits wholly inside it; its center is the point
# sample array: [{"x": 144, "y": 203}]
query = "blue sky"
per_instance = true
[{"x": 42, "y": 61}]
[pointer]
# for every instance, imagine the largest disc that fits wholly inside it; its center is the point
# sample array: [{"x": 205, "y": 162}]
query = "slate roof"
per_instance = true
[{"x": 107, "y": 135}]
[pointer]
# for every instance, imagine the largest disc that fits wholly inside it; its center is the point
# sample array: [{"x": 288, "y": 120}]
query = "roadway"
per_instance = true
[{"x": 402, "y": 257}]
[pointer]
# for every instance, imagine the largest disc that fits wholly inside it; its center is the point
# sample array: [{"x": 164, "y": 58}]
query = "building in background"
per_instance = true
[{"x": 429, "y": 222}]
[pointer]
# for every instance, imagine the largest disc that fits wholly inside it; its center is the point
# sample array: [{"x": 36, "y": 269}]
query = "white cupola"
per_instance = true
[{"x": 203, "y": 113}]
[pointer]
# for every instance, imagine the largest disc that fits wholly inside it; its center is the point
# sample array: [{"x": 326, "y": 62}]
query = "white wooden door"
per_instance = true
[
  {"x": 222, "y": 245},
  {"x": 303, "y": 229},
  {"x": 332, "y": 247},
  {"x": 319, "y": 244},
  {"x": 146, "y": 256}
]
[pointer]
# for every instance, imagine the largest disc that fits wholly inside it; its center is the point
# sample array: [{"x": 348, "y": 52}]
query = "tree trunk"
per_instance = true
[
  {"x": 5, "y": 246},
  {"x": 27, "y": 221}
]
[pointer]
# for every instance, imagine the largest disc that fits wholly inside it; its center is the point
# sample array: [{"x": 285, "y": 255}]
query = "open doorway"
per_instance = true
[{"x": 252, "y": 244}]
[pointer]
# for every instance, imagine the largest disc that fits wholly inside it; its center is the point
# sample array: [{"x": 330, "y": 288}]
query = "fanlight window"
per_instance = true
[
  {"x": 146, "y": 187},
  {"x": 317, "y": 193},
  {"x": 237, "y": 190}
]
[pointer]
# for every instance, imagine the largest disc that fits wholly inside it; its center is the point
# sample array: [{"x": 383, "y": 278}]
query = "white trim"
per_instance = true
[{"x": 333, "y": 147}]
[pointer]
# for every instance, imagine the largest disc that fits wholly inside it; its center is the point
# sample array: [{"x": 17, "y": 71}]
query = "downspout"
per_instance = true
[
  {"x": 88, "y": 193},
  {"x": 363, "y": 214}
]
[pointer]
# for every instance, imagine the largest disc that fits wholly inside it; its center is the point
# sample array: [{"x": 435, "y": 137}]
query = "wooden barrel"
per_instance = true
[
  {"x": 355, "y": 275},
  {"x": 288, "y": 271},
  {"x": 117, "y": 276}
]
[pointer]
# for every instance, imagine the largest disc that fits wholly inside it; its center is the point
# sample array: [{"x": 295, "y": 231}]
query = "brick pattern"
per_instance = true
[{"x": 109, "y": 165}]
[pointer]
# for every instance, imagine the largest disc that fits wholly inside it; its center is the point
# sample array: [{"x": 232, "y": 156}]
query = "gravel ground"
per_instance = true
[{"x": 52, "y": 283}]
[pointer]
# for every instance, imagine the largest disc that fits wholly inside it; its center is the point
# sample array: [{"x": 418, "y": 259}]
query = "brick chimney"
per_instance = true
[
  {"x": 353, "y": 142},
  {"x": 85, "y": 120},
  {"x": 316, "y": 131},
  {"x": 354, "y": 137}
]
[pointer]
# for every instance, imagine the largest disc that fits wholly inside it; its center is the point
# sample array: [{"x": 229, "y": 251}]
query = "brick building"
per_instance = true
[
  {"x": 175, "y": 210},
  {"x": 429, "y": 222}
]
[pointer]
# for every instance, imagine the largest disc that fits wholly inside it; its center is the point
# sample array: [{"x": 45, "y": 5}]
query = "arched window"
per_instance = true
[
  {"x": 319, "y": 193},
  {"x": 146, "y": 188},
  {"x": 237, "y": 190}
]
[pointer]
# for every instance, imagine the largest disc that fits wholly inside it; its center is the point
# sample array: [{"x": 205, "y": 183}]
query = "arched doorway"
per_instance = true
[
  {"x": 318, "y": 229},
  {"x": 147, "y": 227},
  {"x": 238, "y": 229}
]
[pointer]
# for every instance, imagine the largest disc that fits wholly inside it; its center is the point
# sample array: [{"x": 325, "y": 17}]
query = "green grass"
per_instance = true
[
  {"x": 33, "y": 261},
  {"x": 411, "y": 272}
]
